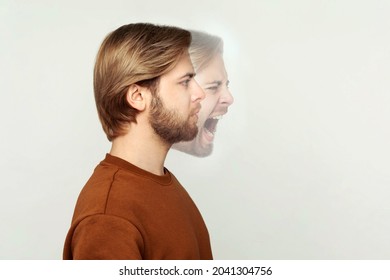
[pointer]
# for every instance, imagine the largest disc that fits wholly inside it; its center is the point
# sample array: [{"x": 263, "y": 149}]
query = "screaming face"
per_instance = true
[{"x": 213, "y": 80}]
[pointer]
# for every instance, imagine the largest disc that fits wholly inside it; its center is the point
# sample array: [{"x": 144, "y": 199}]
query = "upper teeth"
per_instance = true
[{"x": 217, "y": 117}]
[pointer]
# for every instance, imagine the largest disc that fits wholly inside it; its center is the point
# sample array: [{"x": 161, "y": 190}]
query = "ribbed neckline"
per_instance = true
[{"x": 165, "y": 179}]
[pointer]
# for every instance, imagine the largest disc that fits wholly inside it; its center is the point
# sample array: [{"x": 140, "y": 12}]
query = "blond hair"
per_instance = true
[
  {"x": 203, "y": 48},
  {"x": 133, "y": 54}
]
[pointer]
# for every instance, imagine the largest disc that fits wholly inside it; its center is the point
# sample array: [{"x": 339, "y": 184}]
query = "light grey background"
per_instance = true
[{"x": 301, "y": 164}]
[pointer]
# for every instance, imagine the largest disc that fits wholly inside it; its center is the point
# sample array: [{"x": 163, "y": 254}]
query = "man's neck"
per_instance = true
[{"x": 143, "y": 149}]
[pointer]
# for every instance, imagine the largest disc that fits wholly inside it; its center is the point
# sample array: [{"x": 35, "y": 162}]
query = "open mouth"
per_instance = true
[{"x": 210, "y": 125}]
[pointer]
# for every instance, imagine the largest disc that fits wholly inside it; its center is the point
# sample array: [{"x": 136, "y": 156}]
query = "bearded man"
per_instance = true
[{"x": 133, "y": 207}]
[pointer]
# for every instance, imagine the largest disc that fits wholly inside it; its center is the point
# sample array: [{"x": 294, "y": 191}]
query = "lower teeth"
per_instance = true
[{"x": 209, "y": 132}]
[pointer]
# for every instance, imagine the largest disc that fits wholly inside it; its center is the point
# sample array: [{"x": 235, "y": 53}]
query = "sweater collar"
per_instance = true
[{"x": 123, "y": 164}]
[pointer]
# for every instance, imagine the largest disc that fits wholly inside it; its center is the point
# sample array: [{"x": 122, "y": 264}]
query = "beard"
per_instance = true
[{"x": 169, "y": 125}]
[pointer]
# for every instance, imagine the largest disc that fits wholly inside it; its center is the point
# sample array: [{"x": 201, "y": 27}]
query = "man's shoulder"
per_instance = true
[
  {"x": 103, "y": 174},
  {"x": 93, "y": 196}
]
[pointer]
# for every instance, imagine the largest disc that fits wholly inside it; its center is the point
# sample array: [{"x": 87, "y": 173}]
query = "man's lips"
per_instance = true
[
  {"x": 218, "y": 114},
  {"x": 210, "y": 125},
  {"x": 197, "y": 110}
]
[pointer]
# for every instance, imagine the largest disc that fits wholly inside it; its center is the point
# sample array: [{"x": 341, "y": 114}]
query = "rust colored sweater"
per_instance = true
[{"x": 124, "y": 212}]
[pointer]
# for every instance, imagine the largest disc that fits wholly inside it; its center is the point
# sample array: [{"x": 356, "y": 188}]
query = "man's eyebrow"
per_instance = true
[
  {"x": 188, "y": 75},
  {"x": 215, "y": 82}
]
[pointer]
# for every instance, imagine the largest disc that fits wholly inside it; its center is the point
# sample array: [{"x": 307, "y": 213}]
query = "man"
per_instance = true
[
  {"x": 147, "y": 99},
  {"x": 206, "y": 54}
]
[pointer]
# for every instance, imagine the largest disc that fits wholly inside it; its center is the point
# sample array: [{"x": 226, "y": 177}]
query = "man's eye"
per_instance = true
[
  {"x": 186, "y": 82},
  {"x": 213, "y": 88}
]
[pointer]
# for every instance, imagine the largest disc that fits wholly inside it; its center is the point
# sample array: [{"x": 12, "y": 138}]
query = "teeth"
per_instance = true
[
  {"x": 217, "y": 117},
  {"x": 209, "y": 132}
]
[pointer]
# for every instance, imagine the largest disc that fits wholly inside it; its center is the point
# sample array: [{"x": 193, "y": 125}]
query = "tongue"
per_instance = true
[{"x": 211, "y": 125}]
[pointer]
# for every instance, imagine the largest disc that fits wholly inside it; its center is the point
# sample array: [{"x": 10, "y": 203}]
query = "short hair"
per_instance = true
[
  {"x": 136, "y": 53},
  {"x": 203, "y": 48}
]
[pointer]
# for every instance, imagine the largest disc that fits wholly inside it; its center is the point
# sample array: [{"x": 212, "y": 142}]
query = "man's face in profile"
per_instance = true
[
  {"x": 176, "y": 104},
  {"x": 214, "y": 81}
]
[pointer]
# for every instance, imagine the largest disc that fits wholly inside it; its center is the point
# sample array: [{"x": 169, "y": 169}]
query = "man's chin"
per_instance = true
[
  {"x": 196, "y": 147},
  {"x": 189, "y": 135}
]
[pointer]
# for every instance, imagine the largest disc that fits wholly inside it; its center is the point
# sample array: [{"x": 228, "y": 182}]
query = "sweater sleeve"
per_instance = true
[{"x": 106, "y": 237}]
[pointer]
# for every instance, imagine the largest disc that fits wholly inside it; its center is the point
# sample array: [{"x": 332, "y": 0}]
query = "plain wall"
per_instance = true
[{"x": 300, "y": 168}]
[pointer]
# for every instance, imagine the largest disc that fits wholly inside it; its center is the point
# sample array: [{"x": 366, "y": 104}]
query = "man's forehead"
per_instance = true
[{"x": 183, "y": 67}]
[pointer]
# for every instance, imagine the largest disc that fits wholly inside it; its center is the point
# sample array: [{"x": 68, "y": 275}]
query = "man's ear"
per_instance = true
[{"x": 136, "y": 96}]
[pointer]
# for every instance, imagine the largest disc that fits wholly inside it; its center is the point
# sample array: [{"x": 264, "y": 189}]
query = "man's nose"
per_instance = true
[{"x": 226, "y": 97}]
